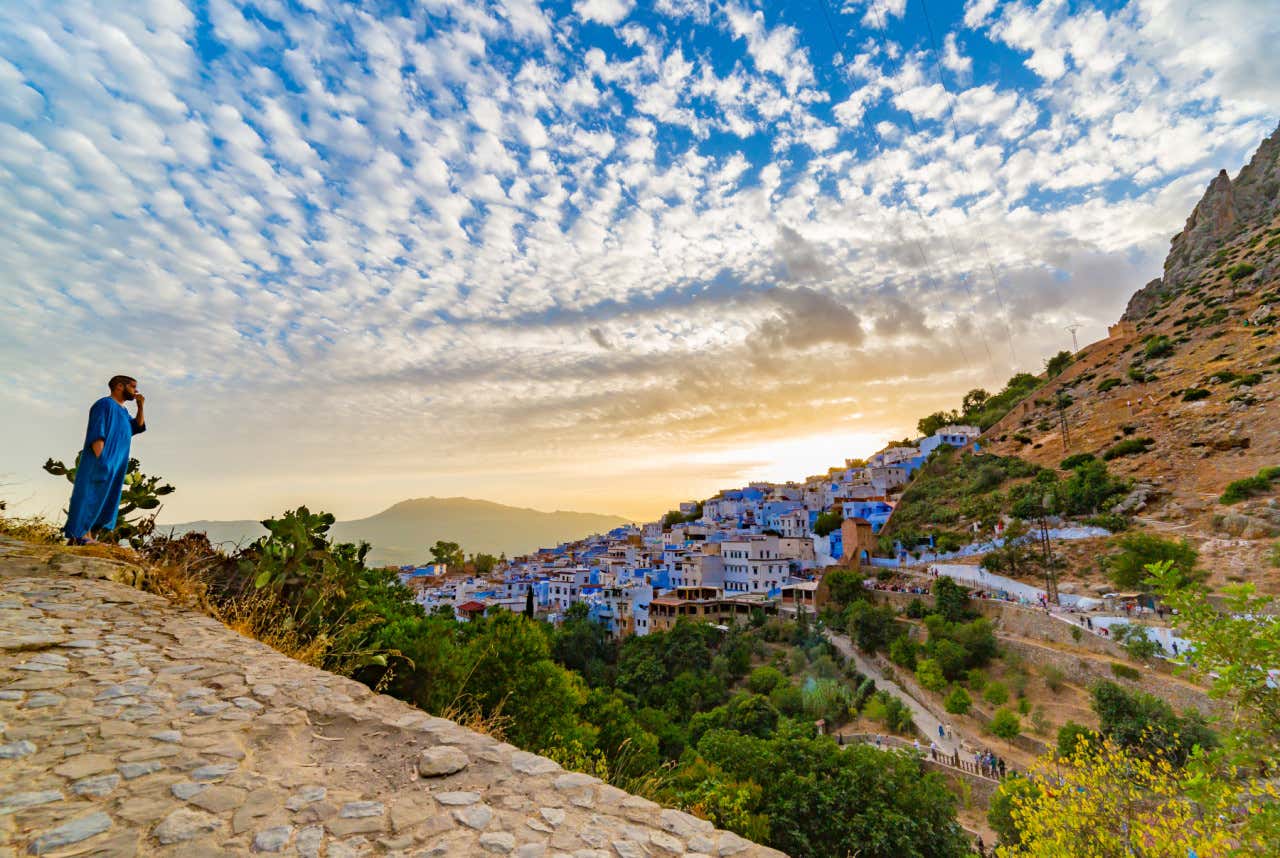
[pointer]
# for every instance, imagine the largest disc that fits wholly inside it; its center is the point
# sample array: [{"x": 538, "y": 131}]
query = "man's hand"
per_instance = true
[{"x": 140, "y": 399}]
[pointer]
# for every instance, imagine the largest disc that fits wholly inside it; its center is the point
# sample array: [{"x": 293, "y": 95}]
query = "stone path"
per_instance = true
[
  {"x": 924, "y": 720},
  {"x": 131, "y": 727}
]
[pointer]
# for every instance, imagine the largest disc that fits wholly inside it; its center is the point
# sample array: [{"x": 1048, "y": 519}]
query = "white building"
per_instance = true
[
  {"x": 753, "y": 565},
  {"x": 954, "y": 436}
]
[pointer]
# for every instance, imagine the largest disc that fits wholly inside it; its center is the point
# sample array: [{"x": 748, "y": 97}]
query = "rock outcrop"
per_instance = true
[
  {"x": 129, "y": 726},
  {"x": 1226, "y": 208}
]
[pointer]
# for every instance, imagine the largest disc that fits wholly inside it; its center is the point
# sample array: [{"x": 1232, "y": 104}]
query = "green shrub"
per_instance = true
[
  {"x": 764, "y": 679},
  {"x": 1053, "y": 676},
  {"x": 1108, "y": 383},
  {"x": 1239, "y": 490},
  {"x": 1124, "y": 671},
  {"x": 903, "y": 652},
  {"x": 1111, "y": 521},
  {"x": 1241, "y": 271},
  {"x": 1128, "y": 447},
  {"x": 976, "y": 679},
  {"x": 1139, "y": 374},
  {"x": 1157, "y": 347},
  {"x": 1024, "y": 706},
  {"x": 1070, "y": 735},
  {"x": 1022, "y": 438},
  {"x": 1072, "y": 461},
  {"x": 958, "y": 702},
  {"x": 1127, "y": 567},
  {"x": 1194, "y": 394},
  {"x": 996, "y": 693},
  {"x": 929, "y": 674},
  {"x": 1054, "y": 366},
  {"x": 1005, "y": 724}
]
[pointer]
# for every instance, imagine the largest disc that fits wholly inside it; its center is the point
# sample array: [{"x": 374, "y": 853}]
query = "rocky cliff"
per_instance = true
[
  {"x": 1183, "y": 394},
  {"x": 1227, "y": 209},
  {"x": 131, "y": 727}
]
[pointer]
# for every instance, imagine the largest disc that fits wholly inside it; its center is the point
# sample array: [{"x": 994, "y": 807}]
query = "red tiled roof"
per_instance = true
[{"x": 471, "y": 607}]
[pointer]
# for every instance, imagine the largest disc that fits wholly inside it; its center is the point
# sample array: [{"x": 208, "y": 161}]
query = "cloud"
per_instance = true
[
  {"x": 607, "y": 12},
  {"x": 499, "y": 234}
]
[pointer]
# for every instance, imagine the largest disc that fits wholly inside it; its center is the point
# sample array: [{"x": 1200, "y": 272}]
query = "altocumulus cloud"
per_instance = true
[{"x": 468, "y": 237}]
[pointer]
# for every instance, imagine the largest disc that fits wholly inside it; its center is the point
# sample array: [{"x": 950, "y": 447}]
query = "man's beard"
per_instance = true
[{"x": 128, "y": 397}]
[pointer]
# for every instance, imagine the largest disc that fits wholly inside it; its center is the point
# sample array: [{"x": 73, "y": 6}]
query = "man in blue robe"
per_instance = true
[{"x": 95, "y": 500}]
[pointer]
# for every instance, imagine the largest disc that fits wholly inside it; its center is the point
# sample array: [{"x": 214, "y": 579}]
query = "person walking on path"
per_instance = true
[{"x": 95, "y": 499}]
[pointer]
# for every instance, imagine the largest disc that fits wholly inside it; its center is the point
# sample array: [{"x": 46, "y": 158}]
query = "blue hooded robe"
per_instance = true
[{"x": 95, "y": 500}]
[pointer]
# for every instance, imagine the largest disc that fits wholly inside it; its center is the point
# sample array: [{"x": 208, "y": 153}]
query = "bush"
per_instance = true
[
  {"x": 826, "y": 522},
  {"x": 764, "y": 679},
  {"x": 1124, "y": 671},
  {"x": 1108, "y": 383},
  {"x": 1013, "y": 792},
  {"x": 996, "y": 693},
  {"x": 1158, "y": 346},
  {"x": 1024, "y": 706},
  {"x": 903, "y": 652},
  {"x": 872, "y": 627},
  {"x": 1053, "y": 677},
  {"x": 1111, "y": 521},
  {"x": 929, "y": 674},
  {"x": 1072, "y": 462},
  {"x": 1248, "y": 487},
  {"x": 1194, "y": 394},
  {"x": 1140, "y": 720},
  {"x": 1070, "y": 735},
  {"x": 1241, "y": 271},
  {"x": 976, "y": 679},
  {"x": 958, "y": 702},
  {"x": 1128, "y": 447},
  {"x": 915, "y": 610},
  {"x": 1054, "y": 366},
  {"x": 1127, "y": 568},
  {"x": 1005, "y": 724}
]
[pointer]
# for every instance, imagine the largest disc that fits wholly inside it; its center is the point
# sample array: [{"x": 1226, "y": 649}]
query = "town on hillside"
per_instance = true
[{"x": 759, "y": 549}]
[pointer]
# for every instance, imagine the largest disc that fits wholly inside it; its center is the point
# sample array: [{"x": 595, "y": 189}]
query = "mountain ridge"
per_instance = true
[{"x": 403, "y": 532}]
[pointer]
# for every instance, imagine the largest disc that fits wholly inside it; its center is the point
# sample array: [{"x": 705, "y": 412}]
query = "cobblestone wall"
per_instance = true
[{"x": 128, "y": 726}]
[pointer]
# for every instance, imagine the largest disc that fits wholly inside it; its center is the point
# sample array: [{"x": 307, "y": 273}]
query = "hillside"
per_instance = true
[
  {"x": 403, "y": 533},
  {"x": 1189, "y": 377}
]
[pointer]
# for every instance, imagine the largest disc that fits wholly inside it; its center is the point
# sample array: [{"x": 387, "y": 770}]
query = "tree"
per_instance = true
[
  {"x": 958, "y": 702},
  {"x": 1146, "y": 723},
  {"x": 1070, "y": 735},
  {"x": 1013, "y": 792},
  {"x": 974, "y": 400},
  {"x": 872, "y": 627},
  {"x": 484, "y": 563},
  {"x": 764, "y": 679},
  {"x": 1106, "y": 800},
  {"x": 844, "y": 586},
  {"x": 140, "y": 493},
  {"x": 1054, "y": 366},
  {"x": 935, "y": 421},
  {"x": 1136, "y": 551},
  {"x": 950, "y": 600},
  {"x": 447, "y": 554},
  {"x": 929, "y": 674},
  {"x": 827, "y": 522},
  {"x": 528, "y": 602},
  {"x": 1005, "y": 724}
]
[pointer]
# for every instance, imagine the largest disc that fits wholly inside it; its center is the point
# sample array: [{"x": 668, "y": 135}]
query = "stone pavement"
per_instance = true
[{"x": 129, "y": 726}]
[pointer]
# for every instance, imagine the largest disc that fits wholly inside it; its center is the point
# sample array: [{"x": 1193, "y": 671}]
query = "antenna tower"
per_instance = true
[{"x": 1075, "y": 345}]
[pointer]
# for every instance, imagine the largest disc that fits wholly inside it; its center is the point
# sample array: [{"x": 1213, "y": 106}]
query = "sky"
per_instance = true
[{"x": 600, "y": 255}]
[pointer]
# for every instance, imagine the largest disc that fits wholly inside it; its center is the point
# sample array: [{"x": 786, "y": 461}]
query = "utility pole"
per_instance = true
[
  {"x": 1050, "y": 572},
  {"x": 1075, "y": 345}
]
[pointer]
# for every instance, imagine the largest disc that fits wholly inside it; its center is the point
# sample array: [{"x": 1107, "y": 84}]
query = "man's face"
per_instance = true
[{"x": 129, "y": 391}]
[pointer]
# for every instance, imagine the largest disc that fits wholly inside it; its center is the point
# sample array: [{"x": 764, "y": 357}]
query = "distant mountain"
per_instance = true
[{"x": 405, "y": 532}]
